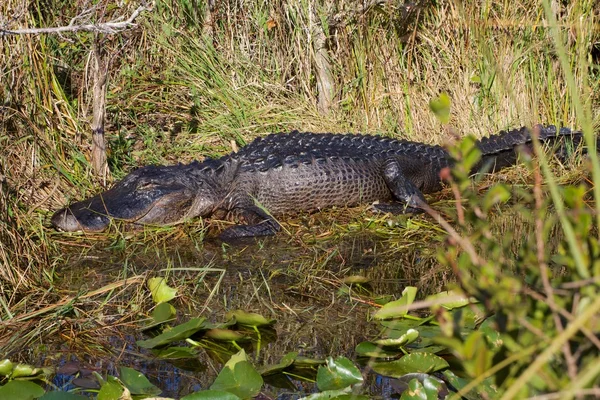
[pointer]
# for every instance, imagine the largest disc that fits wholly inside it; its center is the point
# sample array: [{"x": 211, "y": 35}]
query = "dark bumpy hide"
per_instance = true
[{"x": 285, "y": 173}]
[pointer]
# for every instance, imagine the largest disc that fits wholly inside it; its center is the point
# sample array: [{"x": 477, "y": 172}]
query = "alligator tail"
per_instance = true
[{"x": 502, "y": 150}]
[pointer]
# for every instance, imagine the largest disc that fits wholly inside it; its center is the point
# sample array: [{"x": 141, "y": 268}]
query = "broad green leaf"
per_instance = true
[
  {"x": 408, "y": 337},
  {"x": 486, "y": 387},
  {"x": 441, "y": 107},
  {"x": 163, "y": 313},
  {"x": 175, "y": 352},
  {"x": 239, "y": 377},
  {"x": 6, "y": 367},
  {"x": 62, "y": 396},
  {"x": 454, "y": 300},
  {"x": 161, "y": 292},
  {"x": 414, "y": 362},
  {"x": 20, "y": 390},
  {"x": 397, "y": 308},
  {"x": 211, "y": 395},
  {"x": 338, "y": 374},
  {"x": 176, "y": 333},
  {"x": 111, "y": 389},
  {"x": 370, "y": 349},
  {"x": 305, "y": 362},
  {"x": 285, "y": 362},
  {"x": 415, "y": 391},
  {"x": 137, "y": 383},
  {"x": 20, "y": 370},
  {"x": 329, "y": 395},
  {"x": 248, "y": 319},
  {"x": 224, "y": 335}
]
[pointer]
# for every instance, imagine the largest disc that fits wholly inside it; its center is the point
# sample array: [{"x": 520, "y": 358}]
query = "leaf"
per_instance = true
[
  {"x": 137, "y": 383},
  {"x": 415, "y": 391},
  {"x": 175, "y": 352},
  {"x": 176, "y": 333},
  {"x": 224, "y": 335},
  {"x": 408, "y": 337},
  {"x": 211, "y": 395},
  {"x": 285, "y": 362},
  {"x": 397, "y": 308},
  {"x": 454, "y": 300},
  {"x": 331, "y": 394},
  {"x": 163, "y": 313},
  {"x": 161, "y": 292},
  {"x": 111, "y": 389},
  {"x": 249, "y": 319},
  {"x": 338, "y": 374},
  {"x": 6, "y": 367},
  {"x": 239, "y": 377},
  {"x": 356, "y": 279},
  {"x": 20, "y": 390},
  {"x": 441, "y": 107},
  {"x": 62, "y": 396},
  {"x": 370, "y": 349},
  {"x": 411, "y": 363}
]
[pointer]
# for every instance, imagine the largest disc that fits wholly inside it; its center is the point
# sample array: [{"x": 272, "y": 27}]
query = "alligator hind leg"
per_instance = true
[
  {"x": 261, "y": 224},
  {"x": 409, "y": 198}
]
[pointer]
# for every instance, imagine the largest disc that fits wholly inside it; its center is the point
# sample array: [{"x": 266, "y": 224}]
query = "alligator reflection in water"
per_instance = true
[{"x": 299, "y": 286}]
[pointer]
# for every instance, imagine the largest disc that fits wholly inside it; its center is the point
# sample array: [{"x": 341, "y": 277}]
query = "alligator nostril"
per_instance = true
[{"x": 64, "y": 220}]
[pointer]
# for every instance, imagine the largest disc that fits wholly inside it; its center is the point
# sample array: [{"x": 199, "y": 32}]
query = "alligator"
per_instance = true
[{"x": 289, "y": 172}]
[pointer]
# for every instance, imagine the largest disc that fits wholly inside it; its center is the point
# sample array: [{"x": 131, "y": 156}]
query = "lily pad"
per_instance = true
[
  {"x": 371, "y": 350},
  {"x": 338, "y": 374},
  {"x": 62, "y": 396},
  {"x": 408, "y": 337},
  {"x": 398, "y": 308},
  {"x": 411, "y": 363},
  {"x": 239, "y": 377},
  {"x": 249, "y": 319},
  {"x": 450, "y": 299},
  {"x": 224, "y": 335},
  {"x": 175, "y": 353},
  {"x": 137, "y": 383},
  {"x": 111, "y": 389},
  {"x": 286, "y": 361},
  {"x": 21, "y": 390},
  {"x": 176, "y": 333},
  {"x": 161, "y": 292},
  {"x": 6, "y": 367},
  {"x": 211, "y": 395}
]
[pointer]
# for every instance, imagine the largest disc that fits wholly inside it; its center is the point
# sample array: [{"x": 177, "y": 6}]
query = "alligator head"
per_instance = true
[{"x": 151, "y": 195}]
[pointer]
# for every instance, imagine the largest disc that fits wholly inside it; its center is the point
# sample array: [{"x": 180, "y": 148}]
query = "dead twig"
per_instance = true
[{"x": 111, "y": 27}]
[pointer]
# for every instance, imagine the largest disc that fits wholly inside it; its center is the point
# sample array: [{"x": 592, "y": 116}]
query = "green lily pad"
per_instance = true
[
  {"x": 338, "y": 374},
  {"x": 161, "y": 292},
  {"x": 175, "y": 353},
  {"x": 62, "y": 396},
  {"x": 239, "y": 377},
  {"x": 395, "y": 309},
  {"x": 306, "y": 362},
  {"x": 483, "y": 391},
  {"x": 371, "y": 350},
  {"x": 163, "y": 312},
  {"x": 111, "y": 389},
  {"x": 411, "y": 363},
  {"x": 6, "y": 367},
  {"x": 408, "y": 337},
  {"x": 211, "y": 395},
  {"x": 224, "y": 335},
  {"x": 286, "y": 361},
  {"x": 137, "y": 383},
  {"x": 249, "y": 319},
  {"x": 454, "y": 300},
  {"x": 176, "y": 333},
  {"x": 20, "y": 390}
]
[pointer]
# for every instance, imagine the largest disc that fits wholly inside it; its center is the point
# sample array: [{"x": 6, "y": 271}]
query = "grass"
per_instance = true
[{"x": 176, "y": 94}]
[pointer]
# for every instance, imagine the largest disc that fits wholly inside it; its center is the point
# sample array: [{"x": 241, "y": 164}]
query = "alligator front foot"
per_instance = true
[
  {"x": 267, "y": 228},
  {"x": 396, "y": 208}
]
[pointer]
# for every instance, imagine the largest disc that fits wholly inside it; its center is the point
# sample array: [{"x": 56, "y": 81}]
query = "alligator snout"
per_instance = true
[{"x": 65, "y": 220}]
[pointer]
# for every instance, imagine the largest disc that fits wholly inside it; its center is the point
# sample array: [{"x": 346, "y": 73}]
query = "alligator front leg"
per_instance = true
[
  {"x": 261, "y": 224},
  {"x": 409, "y": 198}
]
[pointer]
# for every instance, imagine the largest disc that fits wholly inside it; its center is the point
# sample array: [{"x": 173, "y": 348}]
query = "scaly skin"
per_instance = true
[{"x": 285, "y": 173}]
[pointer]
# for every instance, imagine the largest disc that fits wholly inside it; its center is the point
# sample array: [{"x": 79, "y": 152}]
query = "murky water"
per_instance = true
[{"x": 297, "y": 282}]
